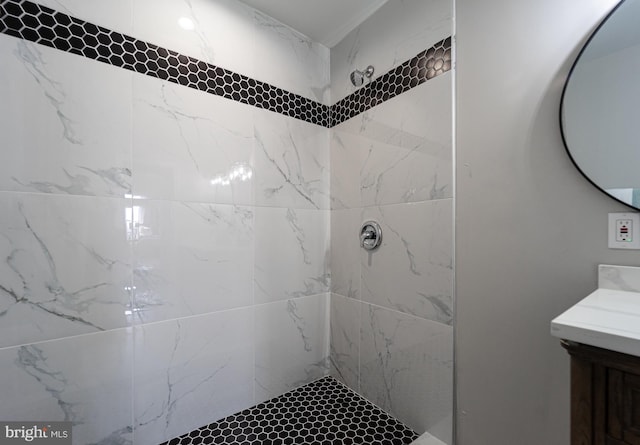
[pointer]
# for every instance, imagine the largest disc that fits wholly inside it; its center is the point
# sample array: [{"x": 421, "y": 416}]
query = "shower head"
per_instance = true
[{"x": 357, "y": 76}]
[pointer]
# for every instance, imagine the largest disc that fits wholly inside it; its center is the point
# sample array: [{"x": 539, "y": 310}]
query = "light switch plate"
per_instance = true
[{"x": 624, "y": 230}]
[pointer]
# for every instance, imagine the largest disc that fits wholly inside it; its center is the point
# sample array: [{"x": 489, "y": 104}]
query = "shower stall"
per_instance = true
[{"x": 183, "y": 185}]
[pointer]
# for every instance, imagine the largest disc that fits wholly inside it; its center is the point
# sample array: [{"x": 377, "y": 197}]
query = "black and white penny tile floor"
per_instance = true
[{"x": 324, "y": 412}]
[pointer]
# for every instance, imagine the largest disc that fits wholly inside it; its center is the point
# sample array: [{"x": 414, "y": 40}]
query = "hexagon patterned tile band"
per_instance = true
[
  {"x": 39, "y": 24},
  {"x": 416, "y": 71}
]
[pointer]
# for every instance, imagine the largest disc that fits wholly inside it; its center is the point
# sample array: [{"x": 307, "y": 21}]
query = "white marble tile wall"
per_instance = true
[
  {"x": 412, "y": 271},
  {"x": 226, "y": 33},
  {"x": 398, "y": 351},
  {"x": 394, "y": 164},
  {"x": 66, "y": 268},
  {"x": 82, "y": 110},
  {"x": 345, "y": 252},
  {"x": 191, "y": 258},
  {"x": 85, "y": 380},
  {"x": 402, "y": 363},
  {"x": 213, "y": 31},
  {"x": 190, "y": 146},
  {"x": 406, "y": 367},
  {"x": 291, "y": 344},
  {"x": 191, "y": 371},
  {"x": 142, "y": 216},
  {"x": 346, "y": 148},
  {"x": 291, "y": 162},
  {"x": 292, "y": 253},
  {"x": 204, "y": 223},
  {"x": 408, "y": 155},
  {"x": 231, "y": 35},
  {"x": 290, "y": 60},
  {"x": 395, "y": 33},
  {"x": 345, "y": 340},
  {"x": 114, "y": 14},
  {"x": 399, "y": 151}
]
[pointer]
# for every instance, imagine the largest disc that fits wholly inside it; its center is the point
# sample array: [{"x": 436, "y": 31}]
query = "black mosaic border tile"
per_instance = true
[
  {"x": 29, "y": 21},
  {"x": 323, "y": 412},
  {"x": 39, "y": 24},
  {"x": 416, "y": 71}
]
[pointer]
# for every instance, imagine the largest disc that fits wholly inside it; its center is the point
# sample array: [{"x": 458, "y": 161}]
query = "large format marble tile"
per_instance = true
[
  {"x": 291, "y": 162},
  {"x": 190, "y": 372},
  {"x": 66, "y": 268},
  {"x": 85, "y": 380},
  {"x": 399, "y": 151},
  {"x": 191, "y": 258},
  {"x": 345, "y": 252},
  {"x": 345, "y": 340},
  {"x": 409, "y": 154},
  {"x": 190, "y": 146},
  {"x": 290, "y": 60},
  {"x": 347, "y": 146},
  {"x": 221, "y": 32},
  {"x": 292, "y": 344},
  {"x": 114, "y": 14},
  {"x": 407, "y": 369},
  {"x": 291, "y": 253},
  {"x": 69, "y": 128},
  {"x": 412, "y": 271},
  {"x": 410, "y": 26}
]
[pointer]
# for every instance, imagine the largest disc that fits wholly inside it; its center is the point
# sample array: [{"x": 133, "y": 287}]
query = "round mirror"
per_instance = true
[{"x": 600, "y": 108}]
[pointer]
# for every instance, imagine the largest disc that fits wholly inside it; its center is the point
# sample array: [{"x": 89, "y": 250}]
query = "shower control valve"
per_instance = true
[{"x": 370, "y": 235}]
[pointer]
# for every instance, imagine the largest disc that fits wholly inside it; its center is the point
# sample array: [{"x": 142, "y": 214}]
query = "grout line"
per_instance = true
[
  {"x": 375, "y": 206},
  {"x": 69, "y": 337},
  {"x": 136, "y": 325},
  {"x": 229, "y": 204},
  {"x": 377, "y": 306},
  {"x": 68, "y": 195}
]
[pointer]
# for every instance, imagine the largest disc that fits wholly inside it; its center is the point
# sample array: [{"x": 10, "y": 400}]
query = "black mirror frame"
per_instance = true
[{"x": 562, "y": 97}]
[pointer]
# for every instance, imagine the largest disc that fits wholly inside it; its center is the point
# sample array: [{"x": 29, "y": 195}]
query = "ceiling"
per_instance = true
[{"x": 324, "y": 21}]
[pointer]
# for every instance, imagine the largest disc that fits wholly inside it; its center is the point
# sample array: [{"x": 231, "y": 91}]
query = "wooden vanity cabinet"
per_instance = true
[{"x": 605, "y": 396}]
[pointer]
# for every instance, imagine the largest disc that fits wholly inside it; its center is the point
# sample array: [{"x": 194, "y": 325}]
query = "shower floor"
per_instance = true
[{"x": 323, "y": 412}]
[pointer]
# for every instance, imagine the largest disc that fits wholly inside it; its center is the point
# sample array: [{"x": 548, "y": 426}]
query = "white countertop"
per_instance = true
[{"x": 607, "y": 318}]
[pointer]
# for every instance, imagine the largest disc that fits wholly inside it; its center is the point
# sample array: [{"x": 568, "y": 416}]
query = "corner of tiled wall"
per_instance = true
[{"x": 392, "y": 310}]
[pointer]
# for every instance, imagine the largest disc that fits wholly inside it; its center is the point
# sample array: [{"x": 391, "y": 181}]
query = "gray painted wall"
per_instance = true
[{"x": 530, "y": 229}]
